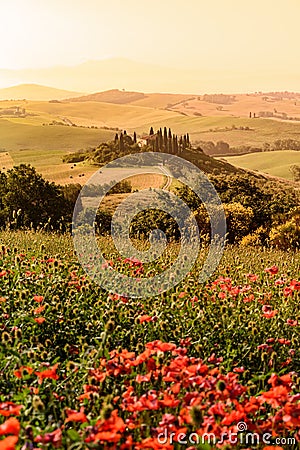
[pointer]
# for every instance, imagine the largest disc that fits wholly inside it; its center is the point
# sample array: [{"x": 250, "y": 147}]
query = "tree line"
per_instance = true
[{"x": 161, "y": 141}]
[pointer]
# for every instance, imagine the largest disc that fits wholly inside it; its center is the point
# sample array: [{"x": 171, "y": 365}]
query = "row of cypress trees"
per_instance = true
[{"x": 161, "y": 141}]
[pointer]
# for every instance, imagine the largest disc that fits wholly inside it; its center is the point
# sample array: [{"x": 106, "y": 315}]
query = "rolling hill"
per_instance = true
[
  {"x": 35, "y": 92},
  {"x": 156, "y": 100},
  {"x": 110, "y": 96},
  {"x": 276, "y": 163},
  {"x": 42, "y": 132}
]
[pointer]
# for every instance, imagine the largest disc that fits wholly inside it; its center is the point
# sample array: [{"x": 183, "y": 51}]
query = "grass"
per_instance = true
[
  {"x": 274, "y": 163},
  {"x": 100, "y": 114},
  {"x": 15, "y": 135},
  {"x": 83, "y": 368},
  {"x": 261, "y": 130},
  {"x": 44, "y": 147},
  {"x": 139, "y": 118}
]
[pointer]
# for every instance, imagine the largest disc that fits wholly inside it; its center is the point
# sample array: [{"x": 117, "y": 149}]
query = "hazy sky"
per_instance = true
[{"x": 226, "y": 34}]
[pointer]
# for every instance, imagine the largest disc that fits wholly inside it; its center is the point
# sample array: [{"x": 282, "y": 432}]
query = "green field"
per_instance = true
[
  {"x": 213, "y": 129},
  {"x": 44, "y": 147},
  {"x": 274, "y": 163},
  {"x": 32, "y": 140},
  {"x": 140, "y": 118}
]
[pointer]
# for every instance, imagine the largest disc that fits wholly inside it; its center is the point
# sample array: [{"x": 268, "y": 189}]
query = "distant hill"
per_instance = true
[
  {"x": 101, "y": 75},
  {"x": 117, "y": 96},
  {"x": 35, "y": 92},
  {"x": 110, "y": 96}
]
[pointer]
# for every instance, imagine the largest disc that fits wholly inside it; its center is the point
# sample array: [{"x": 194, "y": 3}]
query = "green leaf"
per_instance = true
[{"x": 73, "y": 435}]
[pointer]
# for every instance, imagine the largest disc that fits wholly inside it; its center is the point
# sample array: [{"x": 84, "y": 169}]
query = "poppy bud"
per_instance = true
[
  {"x": 18, "y": 334},
  {"x": 223, "y": 310},
  {"x": 71, "y": 366},
  {"x": 221, "y": 385},
  {"x": 37, "y": 403},
  {"x": 139, "y": 347},
  {"x": 110, "y": 326},
  {"x": 106, "y": 412},
  {"x": 197, "y": 416},
  {"x": 44, "y": 355},
  {"x": 5, "y": 337}
]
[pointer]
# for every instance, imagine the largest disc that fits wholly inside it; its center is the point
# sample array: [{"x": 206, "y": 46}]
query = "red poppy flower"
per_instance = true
[
  {"x": 145, "y": 318},
  {"x": 39, "y": 309},
  {"x": 48, "y": 373},
  {"x": 39, "y": 320},
  {"x": 54, "y": 438},
  {"x": 295, "y": 285},
  {"x": 272, "y": 270},
  {"x": 270, "y": 314},
  {"x": 275, "y": 396},
  {"x": 75, "y": 416},
  {"x": 271, "y": 447},
  {"x": 38, "y": 298},
  {"x": 252, "y": 277},
  {"x": 19, "y": 372},
  {"x": 10, "y": 409},
  {"x": 162, "y": 346},
  {"x": 153, "y": 443},
  {"x": 10, "y": 426},
  {"x": 9, "y": 443},
  {"x": 108, "y": 436},
  {"x": 292, "y": 414},
  {"x": 287, "y": 291},
  {"x": 283, "y": 341},
  {"x": 292, "y": 323},
  {"x": 239, "y": 370}
]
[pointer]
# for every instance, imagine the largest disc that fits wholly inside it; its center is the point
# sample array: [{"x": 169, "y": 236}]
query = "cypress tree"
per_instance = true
[
  {"x": 125, "y": 132},
  {"x": 165, "y": 139},
  {"x": 157, "y": 140},
  {"x": 134, "y": 137},
  {"x": 116, "y": 138},
  {"x": 160, "y": 140},
  {"x": 121, "y": 142},
  {"x": 151, "y": 132},
  {"x": 180, "y": 144},
  {"x": 174, "y": 144}
]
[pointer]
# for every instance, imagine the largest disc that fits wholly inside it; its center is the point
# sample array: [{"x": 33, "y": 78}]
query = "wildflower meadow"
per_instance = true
[{"x": 85, "y": 369}]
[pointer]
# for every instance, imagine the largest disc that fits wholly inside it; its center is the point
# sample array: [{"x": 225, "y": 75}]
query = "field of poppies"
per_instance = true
[{"x": 200, "y": 367}]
